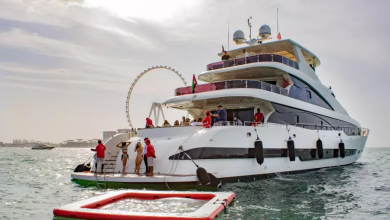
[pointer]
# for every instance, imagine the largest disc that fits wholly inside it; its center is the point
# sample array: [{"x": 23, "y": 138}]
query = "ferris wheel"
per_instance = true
[{"x": 158, "y": 105}]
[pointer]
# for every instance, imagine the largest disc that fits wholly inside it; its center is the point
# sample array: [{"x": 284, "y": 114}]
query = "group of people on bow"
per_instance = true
[{"x": 147, "y": 154}]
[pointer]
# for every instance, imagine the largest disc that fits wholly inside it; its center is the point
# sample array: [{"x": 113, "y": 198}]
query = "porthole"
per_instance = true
[{"x": 248, "y": 134}]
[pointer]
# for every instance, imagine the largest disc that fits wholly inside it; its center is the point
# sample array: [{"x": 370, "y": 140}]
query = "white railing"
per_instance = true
[{"x": 349, "y": 130}]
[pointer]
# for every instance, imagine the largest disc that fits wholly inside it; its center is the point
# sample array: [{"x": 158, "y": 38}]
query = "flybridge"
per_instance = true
[
  {"x": 281, "y": 47},
  {"x": 262, "y": 44}
]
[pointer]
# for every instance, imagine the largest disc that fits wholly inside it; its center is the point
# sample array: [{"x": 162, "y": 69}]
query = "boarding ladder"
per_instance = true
[{"x": 101, "y": 181}]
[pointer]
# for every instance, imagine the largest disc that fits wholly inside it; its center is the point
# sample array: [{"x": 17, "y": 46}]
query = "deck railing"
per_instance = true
[
  {"x": 253, "y": 59},
  {"x": 232, "y": 84},
  {"x": 348, "y": 130}
]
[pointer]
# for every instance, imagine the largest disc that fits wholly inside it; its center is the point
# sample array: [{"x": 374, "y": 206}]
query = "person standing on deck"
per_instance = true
[
  {"x": 207, "y": 120},
  {"x": 183, "y": 121},
  {"x": 259, "y": 117},
  {"x": 225, "y": 56},
  {"x": 145, "y": 157},
  {"x": 221, "y": 115},
  {"x": 125, "y": 156},
  {"x": 100, "y": 149},
  {"x": 151, "y": 155}
]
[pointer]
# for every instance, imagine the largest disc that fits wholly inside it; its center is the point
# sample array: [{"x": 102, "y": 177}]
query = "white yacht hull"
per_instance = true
[{"x": 226, "y": 166}]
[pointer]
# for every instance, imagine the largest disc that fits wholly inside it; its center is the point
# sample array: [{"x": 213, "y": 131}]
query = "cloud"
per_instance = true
[
  {"x": 94, "y": 84},
  {"x": 34, "y": 87}
]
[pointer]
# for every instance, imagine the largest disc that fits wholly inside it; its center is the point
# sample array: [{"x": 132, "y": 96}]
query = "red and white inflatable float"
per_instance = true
[{"x": 213, "y": 203}]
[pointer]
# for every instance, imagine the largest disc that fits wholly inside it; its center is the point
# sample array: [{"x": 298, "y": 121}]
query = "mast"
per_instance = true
[
  {"x": 250, "y": 28},
  {"x": 277, "y": 20},
  {"x": 228, "y": 37}
]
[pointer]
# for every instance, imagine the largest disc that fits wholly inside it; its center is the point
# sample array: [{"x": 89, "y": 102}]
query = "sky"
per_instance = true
[{"x": 66, "y": 66}]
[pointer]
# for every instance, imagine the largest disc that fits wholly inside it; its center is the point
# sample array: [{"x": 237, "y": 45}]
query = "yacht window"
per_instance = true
[
  {"x": 301, "y": 91},
  {"x": 290, "y": 116},
  {"x": 296, "y": 119},
  {"x": 271, "y": 82},
  {"x": 308, "y": 93}
]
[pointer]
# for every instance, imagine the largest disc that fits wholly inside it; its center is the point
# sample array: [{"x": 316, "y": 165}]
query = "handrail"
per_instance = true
[
  {"x": 232, "y": 84},
  {"x": 104, "y": 175},
  {"x": 347, "y": 129},
  {"x": 253, "y": 59}
]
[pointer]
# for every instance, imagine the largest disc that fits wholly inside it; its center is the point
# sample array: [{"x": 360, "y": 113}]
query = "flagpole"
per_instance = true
[
  {"x": 277, "y": 19},
  {"x": 228, "y": 37}
]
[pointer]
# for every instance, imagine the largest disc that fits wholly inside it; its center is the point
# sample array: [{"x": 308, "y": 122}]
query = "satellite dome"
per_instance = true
[
  {"x": 264, "y": 31},
  {"x": 239, "y": 37}
]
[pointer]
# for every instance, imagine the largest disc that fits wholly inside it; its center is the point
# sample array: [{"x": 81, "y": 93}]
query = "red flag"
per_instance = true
[
  {"x": 223, "y": 49},
  {"x": 279, "y": 36}
]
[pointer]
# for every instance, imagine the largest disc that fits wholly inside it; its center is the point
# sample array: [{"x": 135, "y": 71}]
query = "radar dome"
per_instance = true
[
  {"x": 264, "y": 31},
  {"x": 239, "y": 37}
]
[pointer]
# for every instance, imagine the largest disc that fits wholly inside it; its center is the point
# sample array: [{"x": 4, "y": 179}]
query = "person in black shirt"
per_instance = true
[{"x": 225, "y": 56}]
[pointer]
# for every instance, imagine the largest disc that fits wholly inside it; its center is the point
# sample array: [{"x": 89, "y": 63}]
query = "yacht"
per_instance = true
[
  {"x": 38, "y": 146},
  {"x": 305, "y": 127}
]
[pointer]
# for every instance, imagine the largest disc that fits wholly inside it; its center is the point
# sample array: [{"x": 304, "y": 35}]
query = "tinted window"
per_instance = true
[
  {"x": 303, "y": 92},
  {"x": 292, "y": 116},
  {"x": 277, "y": 58},
  {"x": 242, "y": 114},
  {"x": 308, "y": 93},
  {"x": 236, "y": 84}
]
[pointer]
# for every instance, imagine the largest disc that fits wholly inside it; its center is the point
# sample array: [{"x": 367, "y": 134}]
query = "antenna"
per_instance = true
[
  {"x": 250, "y": 28},
  {"x": 277, "y": 19},
  {"x": 228, "y": 37}
]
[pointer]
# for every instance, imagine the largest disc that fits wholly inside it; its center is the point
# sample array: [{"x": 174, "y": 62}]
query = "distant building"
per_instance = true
[
  {"x": 17, "y": 141},
  {"x": 108, "y": 134},
  {"x": 1, "y": 143}
]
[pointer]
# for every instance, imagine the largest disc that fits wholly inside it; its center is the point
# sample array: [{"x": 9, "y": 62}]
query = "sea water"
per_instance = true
[{"x": 33, "y": 182}]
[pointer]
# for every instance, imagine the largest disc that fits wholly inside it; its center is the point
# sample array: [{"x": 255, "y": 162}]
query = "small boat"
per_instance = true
[
  {"x": 41, "y": 147},
  {"x": 149, "y": 205}
]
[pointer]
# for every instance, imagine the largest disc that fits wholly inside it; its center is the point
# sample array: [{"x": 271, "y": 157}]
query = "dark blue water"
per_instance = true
[{"x": 33, "y": 182}]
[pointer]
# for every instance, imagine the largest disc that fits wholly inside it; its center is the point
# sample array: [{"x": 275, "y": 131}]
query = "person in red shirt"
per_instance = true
[
  {"x": 149, "y": 123},
  {"x": 207, "y": 120},
  {"x": 100, "y": 155},
  {"x": 151, "y": 155},
  {"x": 259, "y": 117}
]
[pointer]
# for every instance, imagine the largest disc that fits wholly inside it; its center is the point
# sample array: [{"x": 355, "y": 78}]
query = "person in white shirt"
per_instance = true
[
  {"x": 237, "y": 121},
  {"x": 246, "y": 54},
  {"x": 182, "y": 123},
  {"x": 145, "y": 158}
]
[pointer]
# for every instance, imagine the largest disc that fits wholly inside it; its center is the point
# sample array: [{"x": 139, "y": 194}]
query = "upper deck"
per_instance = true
[
  {"x": 253, "y": 59},
  {"x": 280, "y": 47},
  {"x": 268, "y": 60}
]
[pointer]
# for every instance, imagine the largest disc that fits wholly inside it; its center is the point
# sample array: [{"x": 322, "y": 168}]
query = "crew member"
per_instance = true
[
  {"x": 151, "y": 155},
  {"x": 259, "y": 117},
  {"x": 207, "y": 120},
  {"x": 100, "y": 149},
  {"x": 149, "y": 123}
]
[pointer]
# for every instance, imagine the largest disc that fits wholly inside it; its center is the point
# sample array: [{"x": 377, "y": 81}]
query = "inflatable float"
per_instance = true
[{"x": 149, "y": 205}]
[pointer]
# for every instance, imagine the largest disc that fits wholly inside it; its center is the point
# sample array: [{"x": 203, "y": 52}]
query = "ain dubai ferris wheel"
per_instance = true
[{"x": 156, "y": 108}]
